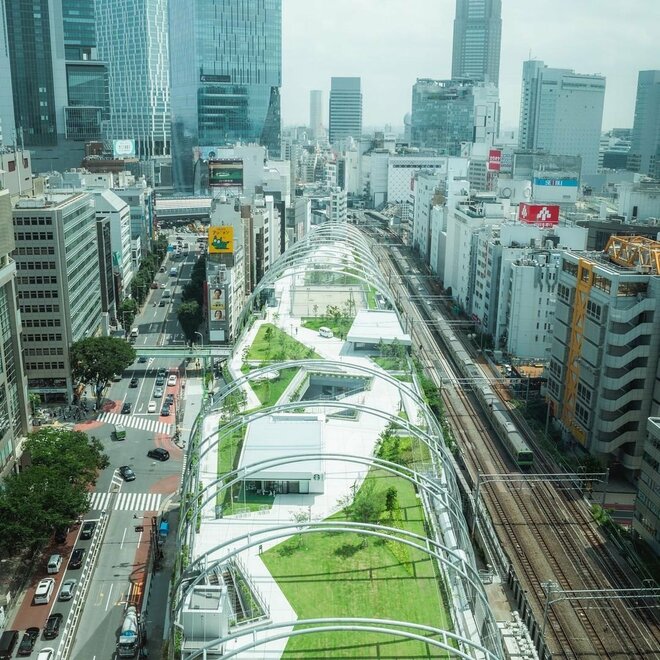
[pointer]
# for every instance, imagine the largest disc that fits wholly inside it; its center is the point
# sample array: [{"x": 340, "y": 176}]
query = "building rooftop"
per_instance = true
[
  {"x": 51, "y": 200},
  {"x": 370, "y": 326}
]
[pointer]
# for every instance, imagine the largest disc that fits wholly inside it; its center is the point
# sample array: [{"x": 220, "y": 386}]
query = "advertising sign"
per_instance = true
[
  {"x": 217, "y": 304},
  {"x": 542, "y": 215},
  {"x": 494, "y": 160},
  {"x": 221, "y": 240},
  {"x": 123, "y": 148},
  {"x": 566, "y": 183},
  {"x": 226, "y": 173}
]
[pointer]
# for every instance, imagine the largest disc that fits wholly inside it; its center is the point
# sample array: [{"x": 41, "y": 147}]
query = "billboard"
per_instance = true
[
  {"x": 226, "y": 173},
  {"x": 217, "y": 305},
  {"x": 123, "y": 148},
  {"x": 221, "y": 240},
  {"x": 542, "y": 215},
  {"x": 494, "y": 160},
  {"x": 563, "y": 182}
]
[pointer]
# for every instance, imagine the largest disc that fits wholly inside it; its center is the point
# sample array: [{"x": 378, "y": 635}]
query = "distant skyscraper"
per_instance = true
[
  {"x": 644, "y": 153},
  {"x": 316, "y": 113},
  {"x": 345, "y": 109},
  {"x": 132, "y": 39},
  {"x": 226, "y": 74},
  {"x": 477, "y": 37},
  {"x": 561, "y": 112},
  {"x": 7, "y": 123}
]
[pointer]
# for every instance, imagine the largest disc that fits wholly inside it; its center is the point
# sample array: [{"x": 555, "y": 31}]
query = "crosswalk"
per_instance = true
[
  {"x": 132, "y": 421},
  {"x": 125, "y": 501}
]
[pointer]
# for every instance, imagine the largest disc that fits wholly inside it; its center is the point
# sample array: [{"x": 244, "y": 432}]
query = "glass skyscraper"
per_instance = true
[
  {"x": 225, "y": 75},
  {"x": 345, "y": 109},
  {"x": 644, "y": 153}
]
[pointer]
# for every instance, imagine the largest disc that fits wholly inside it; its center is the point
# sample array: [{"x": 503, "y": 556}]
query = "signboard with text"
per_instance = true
[
  {"x": 494, "y": 160},
  {"x": 221, "y": 240},
  {"x": 543, "y": 215},
  {"x": 123, "y": 148},
  {"x": 226, "y": 173}
]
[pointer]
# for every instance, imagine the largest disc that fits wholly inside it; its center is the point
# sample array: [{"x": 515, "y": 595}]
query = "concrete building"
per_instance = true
[
  {"x": 639, "y": 202},
  {"x": 316, "y": 114},
  {"x": 58, "y": 286},
  {"x": 14, "y": 415},
  {"x": 605, "y": 349},
  {"x": 646, "y": 519},
  {"x": 133, "y": 40},
  {"x": 345, "y": 109},
  {"x": 447, "y": 113},
  {"x": 477, "y": 38},
  {"x": 338, "y": 205},
  {"x": 644, "y": 155},
  {"x": 562, "y": 112}
]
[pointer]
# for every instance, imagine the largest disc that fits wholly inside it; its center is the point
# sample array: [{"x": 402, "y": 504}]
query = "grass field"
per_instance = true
[
  {"x": 269, "y": 391},
  {"x": 335, "y": 574},
  {"x": 271, "y": 343}
]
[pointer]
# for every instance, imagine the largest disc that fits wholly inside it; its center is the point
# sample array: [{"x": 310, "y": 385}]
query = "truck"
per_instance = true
[{"x": 129, "y": 638}]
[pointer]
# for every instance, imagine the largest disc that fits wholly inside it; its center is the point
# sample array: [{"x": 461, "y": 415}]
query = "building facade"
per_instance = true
[
  {"x": 644, "y": 155},
  {"x": 345, "y": 109},
  {"x": 316, "y": 114},
  {"x": 132, "y": 39},
  {"x": 477, "y": 39},
  {"x": 226, "y": 74},
  {"x": 646, "y": 519},
  {"x": 561, "y": 112},
  {"x": 7, "y": 122}
]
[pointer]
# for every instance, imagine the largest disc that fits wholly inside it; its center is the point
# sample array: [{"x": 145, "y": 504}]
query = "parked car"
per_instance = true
[
  {"x": 151, "y": 408},
  {"x": 30, "y": 636},
  {"x": 171, "y": 381},
  {"x": 87, "y": 530},
  {"x": 52, "y": 627},
  {"x": 134, "y": 382},
  {"x": 127, "y": 473},
  {"x": 169, "y": 399},
  {"x": 159, "y": 454},
  {"x": 126, "y": 408},
  {"x": 165, "y": 410},
  {"x": 67, "y": 589},
  {"x": 77, "y": 558}
]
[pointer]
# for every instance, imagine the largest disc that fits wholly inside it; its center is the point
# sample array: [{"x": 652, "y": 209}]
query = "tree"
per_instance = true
[
  {"x": 391, "y": 500},
  {"x": 300, "y": 518},
  {"x": 127, "y": 312},
  {"x": 189, "y": 314},
  {"x": 268, "y": 334},
  {"x": 368, "y": 505},
  {"x": 95, "y": 360}
]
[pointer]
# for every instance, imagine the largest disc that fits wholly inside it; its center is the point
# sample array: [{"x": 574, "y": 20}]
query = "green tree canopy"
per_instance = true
[
  {"x": 127, "y": 313},
  {"x": 189, "y": 314},
  {"x": 95, "y": 360}
]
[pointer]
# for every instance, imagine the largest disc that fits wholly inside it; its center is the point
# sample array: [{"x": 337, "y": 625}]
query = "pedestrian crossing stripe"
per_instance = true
[
  {"x": 125, "y": 501},
  {"x": 142, "y": 423}
]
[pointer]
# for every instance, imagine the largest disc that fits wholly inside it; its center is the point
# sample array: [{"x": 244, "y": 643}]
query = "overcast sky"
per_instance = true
[{"x": 390, "y": 43}]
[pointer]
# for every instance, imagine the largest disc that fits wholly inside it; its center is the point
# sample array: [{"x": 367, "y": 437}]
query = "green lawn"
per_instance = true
[
  {"x": 390, "y": 363},
  {"x": 229, "y": 451},
  {"x": 269, "y": 391},
  {"x": 339, "y": 327},
  {"x": 271, "y": 343},
  {"x": 333, "y": 574}
]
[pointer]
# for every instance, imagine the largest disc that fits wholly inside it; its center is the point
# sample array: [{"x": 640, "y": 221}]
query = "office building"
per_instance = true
[
  {"x": 477, "y": 37},
  {"x": 226, "y": 74},
  {"x": 605, "y": 348},
  {"x": 7, "y": 123},
  {"x": 132, "y": 39},
  {"x": 448, "y": 113},
  {"x": 646, "y": 518},
  {"x": 345, "y": 109},
  {"x": 561, "y": 112},
  {"x": 644, "y": 153},
  {"x": 58, "y": 286},
  {"x": 316, "y": 114}
]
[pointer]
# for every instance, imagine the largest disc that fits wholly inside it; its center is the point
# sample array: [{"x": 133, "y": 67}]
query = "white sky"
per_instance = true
[{"x": 390, "y": 43}]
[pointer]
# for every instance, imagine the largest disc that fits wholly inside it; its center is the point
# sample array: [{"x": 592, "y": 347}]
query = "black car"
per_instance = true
[
  {"x": 165, "y": 410},
  {"x": 161, "y": 373},
  {"x": 126, "y": 409},
  {"x": 161, "y": 303},
  {"x": 127, "y": 473},
  {"x": 27, "y": 643},
  {"x": 169, "y": 399},
  {"x": 52, "y": 627},
  {"x": 134, "y": 382},
  {"x": 160, "y": 381},
  {"x": 77, "y": 558},
  {"x": 159, "y": 454},
  {"x": 87, "y": 530},
  {"x": 142, "y": 359}
]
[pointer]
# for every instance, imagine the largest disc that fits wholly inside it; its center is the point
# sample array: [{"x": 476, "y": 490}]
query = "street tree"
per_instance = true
[
  {"x": 127, "y": 313},
  {"x": 189, "y": 314},
  {"x": 95, "y": 360}
]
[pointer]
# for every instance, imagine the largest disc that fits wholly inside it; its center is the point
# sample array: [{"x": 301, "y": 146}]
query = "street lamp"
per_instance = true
[{"x": 201, "y": 339}]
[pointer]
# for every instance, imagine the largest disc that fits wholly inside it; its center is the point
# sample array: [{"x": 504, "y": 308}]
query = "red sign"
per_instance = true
[
  {"x": 494, "y": 160},
  {"x": 543, "y": 215}
]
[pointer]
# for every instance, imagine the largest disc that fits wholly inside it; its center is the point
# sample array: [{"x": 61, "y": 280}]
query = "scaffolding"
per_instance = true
[{"x": 638, "y": 252}]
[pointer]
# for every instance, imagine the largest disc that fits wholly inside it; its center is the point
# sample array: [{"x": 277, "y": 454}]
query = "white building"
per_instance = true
[
  {"x": 316, "y": 114},
  {"x": 562, "y": 112},
  {"x": 338, "y": 205},
  {"x": 639, "y": 201}
]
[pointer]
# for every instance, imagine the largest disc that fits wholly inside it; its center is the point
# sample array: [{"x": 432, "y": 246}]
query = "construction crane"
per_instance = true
[{"x": 636, "y": 252}]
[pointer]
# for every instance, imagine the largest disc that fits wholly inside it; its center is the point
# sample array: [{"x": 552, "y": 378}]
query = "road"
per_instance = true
[{"x": 114, "y": 573}]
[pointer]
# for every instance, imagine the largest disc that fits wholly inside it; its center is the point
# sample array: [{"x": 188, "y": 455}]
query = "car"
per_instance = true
[
  {"x": 162, "y": 286},
  {"x": 30, "y": 637},
  {"x": 160, "y": 381},
  {"x": 154, "y": 285},
  {"x": 165, "y": 410},
  {"x": 161, "y": 303},
  {"x": 77, "y": 557},
  {"x": 126, "y": 408},
  {"x": 151, "y": 408},
  {"x": 159, "y": 454},
  {"x": 44, "y": 591},
  {"x": 67, "y": 589},
  {"x": 158, "y": 392},
  {"x": 52, "y": 627},
  {"x": 116, "y": 378},
  {"x": 134, "y": 382},
  {"x": 161, "y": 373},
  {"x": 171, "y": 381},
  {"x": 46, "y": 654},
  {"x": 87, "y": 530},
  {"x": 127, "y": 473},
  {"x": 169, "y": 399},
  {"x": 142, "y": 359}
]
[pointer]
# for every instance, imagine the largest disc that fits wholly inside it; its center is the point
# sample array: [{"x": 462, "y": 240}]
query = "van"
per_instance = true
[
  {"x": 173, "y": 272},
  {"x": 8, "y": 642},
  {"x": 135, "y": 333},
  {"x": 54, "y": 564},
  {"x": 119, "y": 433},
  {"x": 326, "y": 332},
  {"x": 167, "y": 293},
  {"x": 44, "y": 591}
]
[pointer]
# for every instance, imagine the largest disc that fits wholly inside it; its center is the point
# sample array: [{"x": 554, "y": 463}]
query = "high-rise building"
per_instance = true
[
  {"x": 226, "y": 74},
  {"x": 316, "y": 113},
  {"x": 561, "y": 112},
  {"x": 345, "y": 109},
  {"x": 477, "y": 37},
  {"x": 7, "y": 123},
  {"x": 644, "y": 155},
  {"x": 132, "y": 39},
  {"x": 446, "y": 113}
]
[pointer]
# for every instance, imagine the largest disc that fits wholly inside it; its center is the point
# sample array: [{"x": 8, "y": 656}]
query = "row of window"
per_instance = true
[
  {"x": 41, "y": 323},
  {"x": 48, "y": 249},
  {"x": 36, "y": 309},
  {"x": 38, "y": 352},
  {"x": 584, "y": 392},
  {"x": 46, "y": 336},
  {"x": 44, "y": 365},
  {"x": 27, "y": 222},
  {"x": 594, "y": 310},
  {"x": 44, "y": 293},
  {"x": 581, "y": 413},
  {"x": 35, "y": 265},
  {"x": 36, "y": 279},
  {"x": 33, "y": 235}
]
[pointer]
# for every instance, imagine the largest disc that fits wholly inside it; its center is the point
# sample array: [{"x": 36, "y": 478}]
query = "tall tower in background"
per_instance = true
[
  {"x": 7, "y": 123},
  {"x": 132, "y": 39},
  {"x": 345, "y": 109},
  {"x": 226, "y": 74},
  {"x": 316, "y": 113},
  {"x": 477, "y": 38},
  {"x": 644, "y": 153}
]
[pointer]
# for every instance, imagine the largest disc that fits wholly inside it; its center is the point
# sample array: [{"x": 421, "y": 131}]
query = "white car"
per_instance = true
[
  {"x": 46, "y": 654},
  {"x": 152, "y": 407},
  {"x": 171, "y": 381}
]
